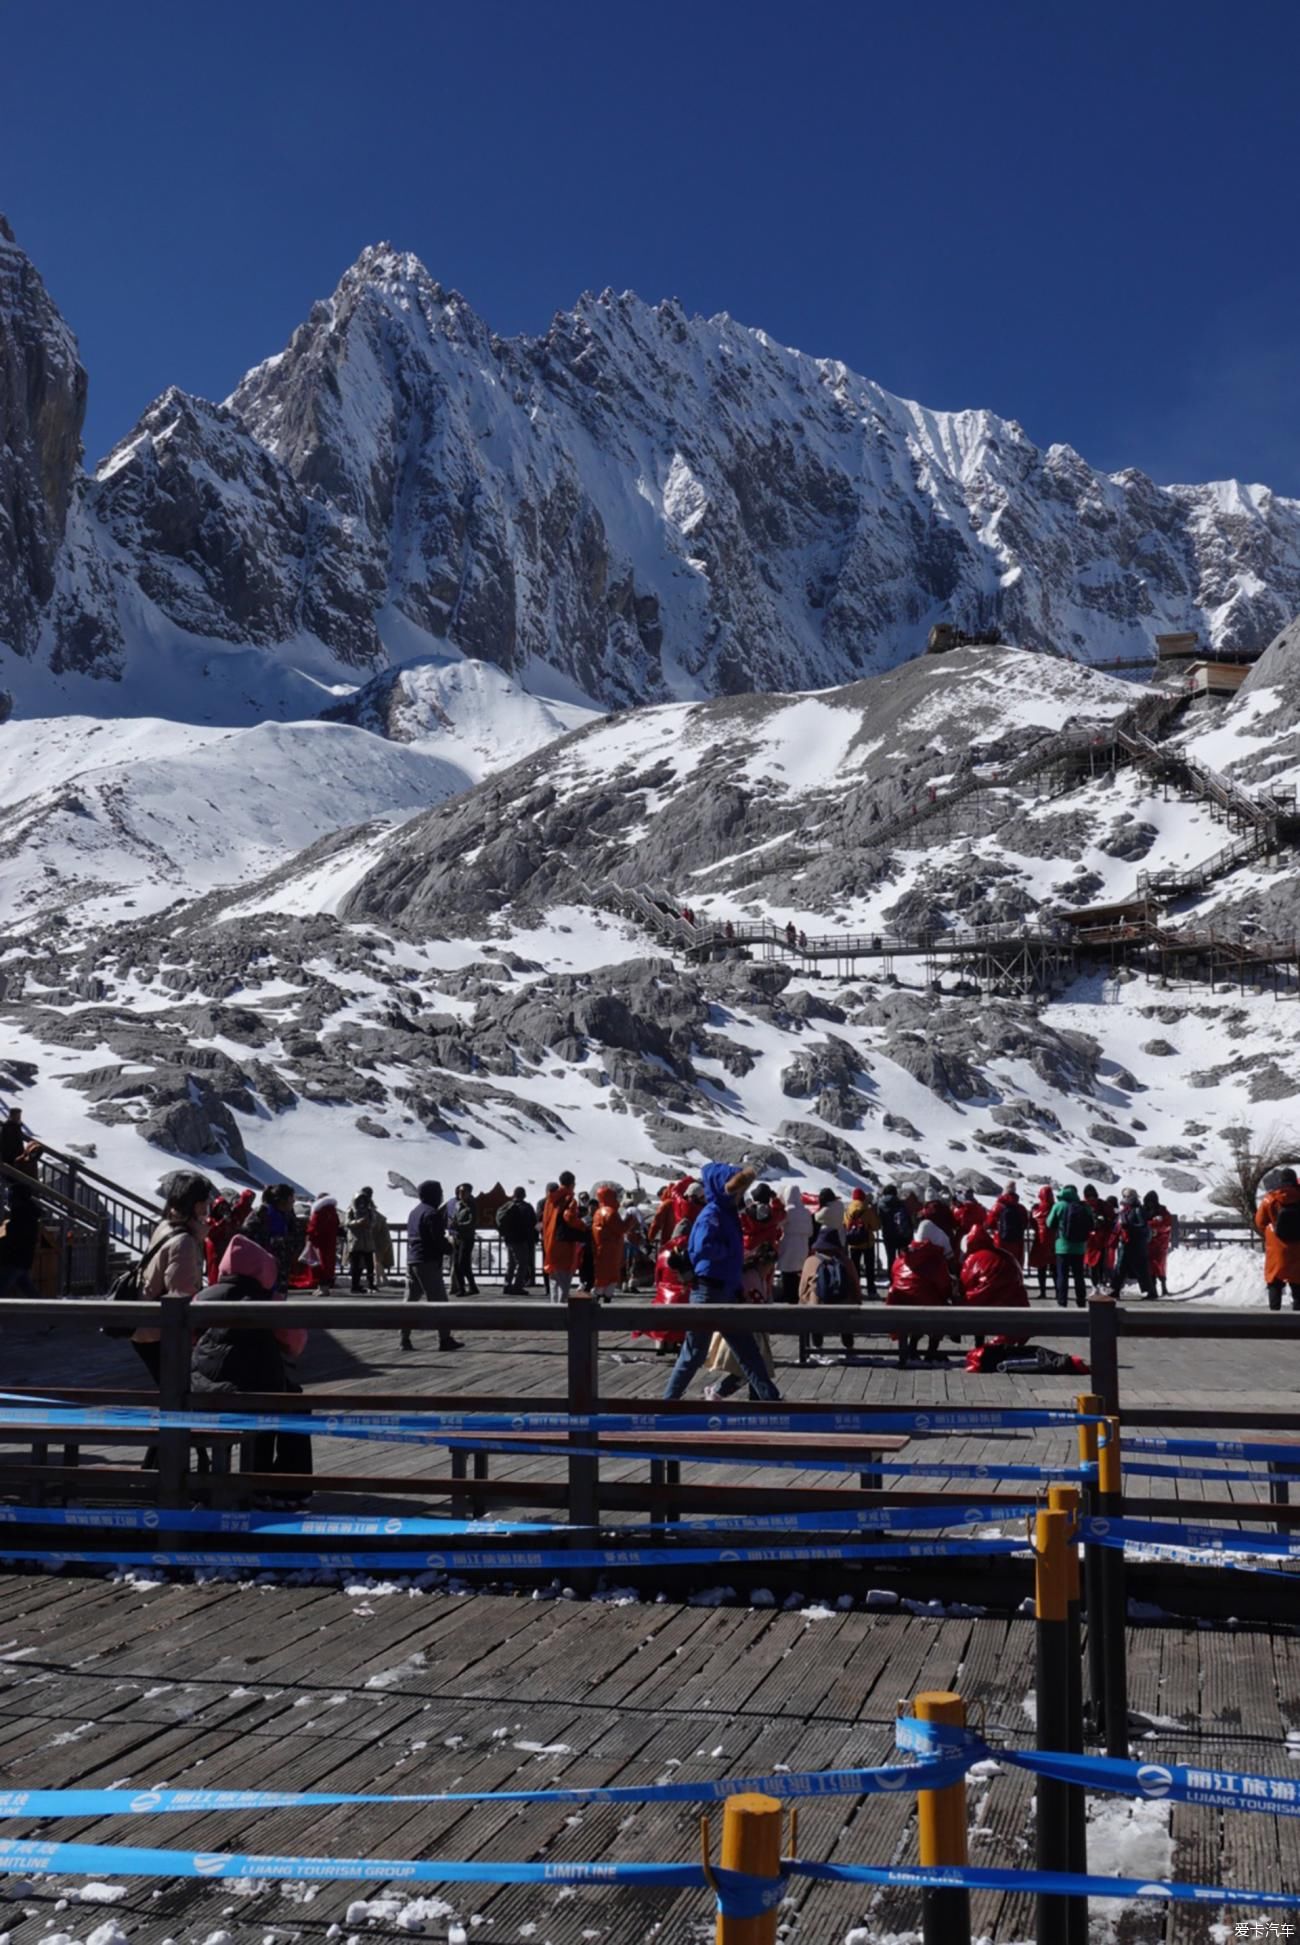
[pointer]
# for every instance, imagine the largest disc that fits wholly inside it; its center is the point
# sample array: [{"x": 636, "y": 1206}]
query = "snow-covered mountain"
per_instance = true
[
  {"x": 101, "y": 816},
  {"x": 451, "y": 994},
  {"x": 638, "y": 506}
]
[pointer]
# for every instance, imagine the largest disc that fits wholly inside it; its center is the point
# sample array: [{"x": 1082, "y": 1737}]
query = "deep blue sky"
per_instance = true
[{"x": 1083, "y": 217}]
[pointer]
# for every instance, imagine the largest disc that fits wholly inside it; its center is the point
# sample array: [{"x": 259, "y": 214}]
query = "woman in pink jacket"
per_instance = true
[{"x": 241, "y": 1358}]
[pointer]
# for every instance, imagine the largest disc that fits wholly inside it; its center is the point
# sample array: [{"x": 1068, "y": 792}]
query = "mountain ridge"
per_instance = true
[{"x": 639, "y": 504}]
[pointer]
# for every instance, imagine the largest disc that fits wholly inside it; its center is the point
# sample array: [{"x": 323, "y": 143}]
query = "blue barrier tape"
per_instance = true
[
  {"x": 1217, "y": 1448},
  {"x": 890, "y": 1779},
  {"x": 1223, "y": 1789},
  {"x": 404, "y": 1427},
  {"x": 506, "y": 1561},
  {"x": 31, "y": 1854},
  {"x": 149, "y": 1519},
  {"x": 738, "y": 1895},
  {"x": 1204, "y": 1539},
  {"x": 1055, "y": 1883}
]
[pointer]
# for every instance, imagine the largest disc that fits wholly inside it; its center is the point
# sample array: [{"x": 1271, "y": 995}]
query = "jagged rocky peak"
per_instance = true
[
  {"x": 42, "y": 408},
  {"x": 656, "y": 506}
]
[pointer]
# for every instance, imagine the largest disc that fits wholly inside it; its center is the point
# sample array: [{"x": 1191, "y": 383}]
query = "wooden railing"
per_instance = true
[{"x": 581, "y": 1323}]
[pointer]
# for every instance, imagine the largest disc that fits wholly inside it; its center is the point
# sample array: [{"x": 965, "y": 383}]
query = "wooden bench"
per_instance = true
[{"x": 671, "y": 1449}]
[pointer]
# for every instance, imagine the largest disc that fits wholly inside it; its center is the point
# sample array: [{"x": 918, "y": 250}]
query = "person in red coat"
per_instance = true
[
  {"x": 762, "y": 1222},
  {"x": 323, "y": 1238},
  {"x": 217, "y": 1239},
  {"x": 967, "y": 1212},
  {"x": 920, "y": 1276},
  {"x": 672, "y": 1286},
  {"x": 1042, "y": 1244},
  {"x": 990, "y": 1277},
  {"x": 241, "y": 1211},
  {"x": 1160, "y": 1230}
]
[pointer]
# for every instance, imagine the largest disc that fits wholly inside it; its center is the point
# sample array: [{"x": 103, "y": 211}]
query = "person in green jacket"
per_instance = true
[{"x": 1070, "y": 1222}]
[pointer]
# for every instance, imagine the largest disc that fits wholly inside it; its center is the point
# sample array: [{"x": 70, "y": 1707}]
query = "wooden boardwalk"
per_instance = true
[
  {"x": 369, "y": 1688},
  {"x": 314, "y": 1688}
]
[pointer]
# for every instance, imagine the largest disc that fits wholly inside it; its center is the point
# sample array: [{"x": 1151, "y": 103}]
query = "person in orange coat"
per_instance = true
[
  {"x": 608, "y": 1229},
  {"x": 1042, "y": 1244},
  {"x": 1278, "y": 1222},
  {"x": 920, "y": 1275},
  {"x": 564, "y": 1236}
]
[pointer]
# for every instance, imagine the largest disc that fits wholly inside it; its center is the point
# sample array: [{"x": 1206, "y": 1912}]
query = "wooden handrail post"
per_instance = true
[
  {"x": 751, "y": 1842},
  {"x": 1114, "y": 1598},
  {"x": 941, "y": 1823},
  {"x": 1089, "y": 1405},
  {"x": 1103, "y": 1348},
  {"x": 173, "y": 1395}
]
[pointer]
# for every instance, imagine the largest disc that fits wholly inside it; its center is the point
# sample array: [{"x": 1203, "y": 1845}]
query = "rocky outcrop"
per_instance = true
[{"x": 42, "y": 406}]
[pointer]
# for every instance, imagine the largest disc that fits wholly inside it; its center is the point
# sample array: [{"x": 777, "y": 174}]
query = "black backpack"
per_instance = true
[
  {"x": 1013, "y": 1220},
  {"x": 1134, "y": 1225},
  {"x": 1286, "y": 1222},
  {"x": 1076, "y": 1223},
  {"x": 128, "y": 1286},
  {"x": 898, "y": 1223}
]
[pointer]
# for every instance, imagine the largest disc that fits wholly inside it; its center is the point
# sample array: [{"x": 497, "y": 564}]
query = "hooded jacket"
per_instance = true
[
  {"x": 990, "y": 1275},
  {"x": 1281, "y": 1259},
  {"x": 1040, "y": 1240},
  {"x": 234, "y": 1357},
  {"x": 561, "y": 1252},
  {"x": 920, "y": 1275},
  {"x": 1058, "y": 1218},
  {"x": 861, "y": 1220},
  {"x": 1010, "y": 1218},
  {"x": 426, "y": 1227},
  {"x": 323, "y": 1234},
  {"x": 608, "y": 1229},
  {"x": 717, "y": 1247},
  {"x": 796, "y": 1237}
]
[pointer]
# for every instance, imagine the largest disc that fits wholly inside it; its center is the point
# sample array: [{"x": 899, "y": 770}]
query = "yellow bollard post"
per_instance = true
[
  {"x": 941, "y": 1833},
  {"x": 1065, "y": 1499},
  {"x": 751, "y": 1842}
]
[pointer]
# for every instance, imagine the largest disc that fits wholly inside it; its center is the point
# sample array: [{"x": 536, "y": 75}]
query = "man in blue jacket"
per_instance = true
[{"x": 717, "y": 1252}]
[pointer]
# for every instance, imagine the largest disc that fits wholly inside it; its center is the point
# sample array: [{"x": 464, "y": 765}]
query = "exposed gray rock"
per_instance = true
[
  {"x": 816, "y": 1148},
  {"x": 1159, "y": 1049},
  {"x": 1110, "y": 1136},
  {"x": 1008, "y": 1141},
  {"x": 976, "y": 1182},
  {"x": 1089, "y": 1169},
  {"x": 368, "y": 1126},
  {"x": 1179, "y": 1181},
  {"x": 42, "y": 406},
  {"x": 1128, "y": 839}
]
